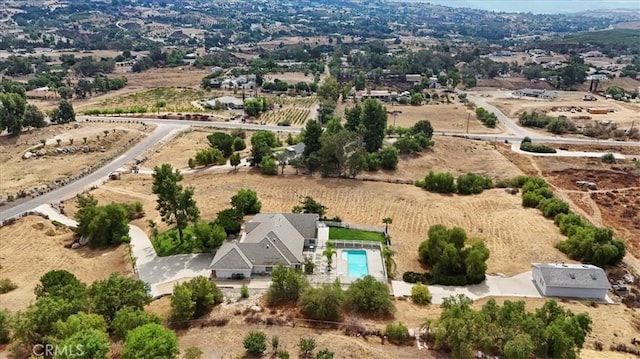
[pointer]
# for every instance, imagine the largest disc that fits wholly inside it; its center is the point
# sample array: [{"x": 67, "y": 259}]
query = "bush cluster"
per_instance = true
[
  {"x": 534, "y": 119},
  {"x": 444, "y": 182},
  {"x": 585, "y": 242},
  {"x": 472, "y": 183},
  {"x": 528, "y": 146},
  {"x": 451, "y": 261},
  {"x": 397, "y": 333},
  {"x": 488, "y": 118},
  {"x": 414, "y": 277}
]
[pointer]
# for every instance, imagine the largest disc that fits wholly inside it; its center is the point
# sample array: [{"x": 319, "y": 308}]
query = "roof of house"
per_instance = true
[
  {"x": 269, "y": 239},
  {"x": 230, "y": 257},
  {"x": 573, "y": 275}
]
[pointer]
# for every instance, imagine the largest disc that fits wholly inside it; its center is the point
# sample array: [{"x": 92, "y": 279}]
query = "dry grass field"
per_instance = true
[
  {"x": 33, "y": 246},
  {"x": 455, "y": 155},
  {"x": 495, "y": 216},
  {"x": 18, "y": 173},
  {"x": 443, "y": 117}
]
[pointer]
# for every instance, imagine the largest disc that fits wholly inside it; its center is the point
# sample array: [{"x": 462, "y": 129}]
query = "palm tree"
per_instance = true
[
  {"x": 329, "y": 252},
  {"x": 387, "y": 221},
  {"x": 426, "y": 326},
  {"x": 389, "y": 262}
]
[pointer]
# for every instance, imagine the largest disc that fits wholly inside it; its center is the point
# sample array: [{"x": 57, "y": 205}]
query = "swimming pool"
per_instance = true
[{"x": 356, "y": 263}]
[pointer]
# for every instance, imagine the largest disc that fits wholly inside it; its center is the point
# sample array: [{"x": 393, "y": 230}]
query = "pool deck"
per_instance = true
[{"x": 374, "y": 265}]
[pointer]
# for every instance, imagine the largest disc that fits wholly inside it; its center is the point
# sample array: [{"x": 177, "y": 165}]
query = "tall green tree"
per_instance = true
[
  {"x": 108, "y": 296},
  {"x": 12, "y": 109},
  {"x": 353, "y": 115},
  {"x": 86, "y": 344},
  {"x": 311, "y": 137},
  {"x": 329, "y": 89},
  {"x": 78, "y": 323},
  {"x": 374, "y": 120},
  {"x": 246, "y": 201},
  {"x": 64, "y": 113},
  {"x": 33, "y": 117},
  {"x": 150, "y": 341},
  {"x": 175, "y": 203},
  {"x": 127, "y": 319}
]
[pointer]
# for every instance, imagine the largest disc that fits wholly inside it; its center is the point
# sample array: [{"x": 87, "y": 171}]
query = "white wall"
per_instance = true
[
  {"x": 576, "y": 293},
  {"x": 228, "y": 274}
]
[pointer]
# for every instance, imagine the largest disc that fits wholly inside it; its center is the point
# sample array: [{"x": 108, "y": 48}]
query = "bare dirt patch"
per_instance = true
[
  {"x": 624, "y": 114},
  {"x": 33, "y": 246},
  {"x": 18, "y": 174},
  {"x": 615, "y": 204}
]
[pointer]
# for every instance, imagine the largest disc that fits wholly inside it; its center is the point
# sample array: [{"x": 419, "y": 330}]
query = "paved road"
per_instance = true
[
  {"x": 520, "y": 132},
  {"x": 70, "y": 190}
]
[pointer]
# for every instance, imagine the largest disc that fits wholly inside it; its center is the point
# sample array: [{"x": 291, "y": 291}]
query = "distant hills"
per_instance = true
[{"x": 539, "y": 6}]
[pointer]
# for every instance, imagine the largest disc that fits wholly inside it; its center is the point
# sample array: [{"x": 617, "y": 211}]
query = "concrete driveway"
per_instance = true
[
  {"x": 519, "y": 285},
  {"x": 154, "y": 270}
]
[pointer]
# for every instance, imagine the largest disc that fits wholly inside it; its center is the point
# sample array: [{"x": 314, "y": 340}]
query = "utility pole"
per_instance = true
[{"x": 468, "y": 118}]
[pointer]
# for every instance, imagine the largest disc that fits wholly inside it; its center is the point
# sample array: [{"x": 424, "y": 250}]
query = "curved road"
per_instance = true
[{"x": 166, "y": 128}]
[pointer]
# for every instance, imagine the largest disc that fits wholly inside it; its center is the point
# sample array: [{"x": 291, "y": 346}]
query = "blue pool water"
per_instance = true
[{"x": 356, "y": 262}]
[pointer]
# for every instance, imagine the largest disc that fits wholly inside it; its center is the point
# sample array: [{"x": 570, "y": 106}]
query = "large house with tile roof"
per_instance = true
[{"x": 268, "y": 240}]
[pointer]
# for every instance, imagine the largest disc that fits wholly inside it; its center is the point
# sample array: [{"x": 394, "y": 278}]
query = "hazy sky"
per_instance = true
[{"x": 540, "y": 6}]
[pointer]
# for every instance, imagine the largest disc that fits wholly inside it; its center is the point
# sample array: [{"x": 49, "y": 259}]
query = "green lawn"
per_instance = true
[
  {"x": 167, "y": 243},
  {"x": 349, "y": 234}
]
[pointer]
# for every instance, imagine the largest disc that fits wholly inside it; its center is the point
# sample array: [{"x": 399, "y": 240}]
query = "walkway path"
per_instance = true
[{"x": 519, "y": 285}]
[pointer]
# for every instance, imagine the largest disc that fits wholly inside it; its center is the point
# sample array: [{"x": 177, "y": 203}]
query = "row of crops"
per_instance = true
[{"x": 287, "y": 116}]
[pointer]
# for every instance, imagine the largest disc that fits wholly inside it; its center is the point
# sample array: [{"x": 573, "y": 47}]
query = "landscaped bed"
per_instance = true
[{"x": 349, "y": 234}]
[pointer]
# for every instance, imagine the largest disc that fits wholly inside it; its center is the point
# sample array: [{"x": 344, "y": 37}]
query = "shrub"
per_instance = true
[
  {"x": 307, "y": 346},
  {"x": 473, "y": 184},
  {"x": 6, "y": 285},
  {"x": 286, "y": 286},
  {"x": 255, "y": 342},
  {"x": 322, "y": 303},
  {"x": 397, "y": 333},
  {"x": 269, "y": 166},
  {"x": 486, "y": 117},
  {"x": 244, "y": 291},
  {"x": 551, "y": 207},
  {"x": 439, "y": 182},
  {"x": 608, "y": 158},
  {"x": 373, "y": 162},
  {"x": 413, "y": 277},
  {"x": 367, "y": 295},
  {"x": 5, "y": 320},
  {"x": 529, "y": 147},
  {"x": 534, "y": 119},
  {"x": 420, "y": 294},
  {"x": 530, "y": 200},
  {"x": 209, "y": 156},
  {"x": 389, "y": 158}
]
